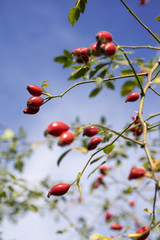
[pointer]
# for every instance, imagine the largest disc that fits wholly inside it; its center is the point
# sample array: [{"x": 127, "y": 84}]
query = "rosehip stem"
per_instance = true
[
  {"x": 137, "y": 47},
  {"x": 134, "y": 71},
  {"x": 154, "y": 91},
  {"x": 153, "y": 35}
]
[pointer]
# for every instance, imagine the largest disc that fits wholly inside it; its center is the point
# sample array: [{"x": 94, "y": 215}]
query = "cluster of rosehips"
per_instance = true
[
  {"x": 34, "y": 102},
  {"x": 103, "y": 46},
  {"x": 60, "y": 129},
  {"x": 136, "y": 130},
  {"x": 104, "y": 170}
]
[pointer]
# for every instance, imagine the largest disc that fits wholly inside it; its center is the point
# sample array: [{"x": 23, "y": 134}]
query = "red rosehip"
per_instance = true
[
  {"x": 137, "y": 121},
  {"x": 142, "y": 230},
  {"x": 132, "y": 97},
  {"x": 59, "y": 189},
  {"x": 94, "y": 50},
  {"x": 93, "y": 143},
  {"x": 82, "y": 59},
  {"x": 34, "y": 90},
  {"x": 108, "y": 215},
  {"x": 95, "y": 185},
  {"x": 143, "y": 71},
  {"x": 65, "y": 138},
  {"x": 56, "y": 128},
  {"x": 104, "y": 37},
  {"x": 133, "y": 129},
  {"x": 90, "y": 131},
  {"x": 103, "y": 169},
  {"x": 138, "y": 131},
  {"x": 35, "y": 102},
  {"x": 109, "y": 49},
  {"x": 29, "y": 110},
  {"x": 132, "y": 203},
  {"x": 84, "y": 51},
  {"x": 116, "y": 226},
  {"x": 100, "y": 178},
  {"x": 142, "y": 2},
  {"x": 76, "y": 52},
  {"x": 136, "y": 172}
]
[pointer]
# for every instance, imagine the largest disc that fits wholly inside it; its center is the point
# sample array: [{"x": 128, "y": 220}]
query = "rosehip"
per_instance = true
[
  {"x": 108, "y": 215},
  {"x": 104, "y": 37},
  {"x": 138, "y": 131},
  {"x": 136, "y": 172},
  {"x": 94, "y": 50},
  {"x": 109, "y": 49},
  {"x": 116, "y": 226},
  {"x": 132, "y": 203},
  {"x": 100, "y": 178},
  {"x": 93, "y": 143},
  {"x": 95, "y": 185},
  {"x": 34, "y": 90},
  {"x": 29, "y": 110},
  {"x": 132, "y": 97},
  {"x": 35, "y": 102},
  {"x": 65, "y": 138},
  {"x": 142, "y": 230},
  {"x": 59, "y": 189},
  {"x": 103, "y": 169},
  {"x": 137, "y": 121},
  {"x": 90, "y": 131},
  {"x": 56, "y": 128},
  {"x": 143, "y": 71},
  {"x": 142, "y": 2},
  {"x": 82, "y": 59},
  {"x": 76, "y": 52}
]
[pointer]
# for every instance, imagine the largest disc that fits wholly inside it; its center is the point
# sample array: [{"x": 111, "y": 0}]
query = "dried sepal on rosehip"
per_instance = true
[
  {"x": 56, "y": 129},
  {"x": 59, "y": 189},
  {"x": 34, "y": 90},
  {"x": 35, "y": 102},
  {"x": 29, "y": 110}
]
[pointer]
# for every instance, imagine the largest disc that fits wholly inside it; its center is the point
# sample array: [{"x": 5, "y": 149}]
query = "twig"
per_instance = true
[
  {"x": 153, "y": 35},
  {"x": 154, "y": 91},
  {"x": 137, "y": 47}
]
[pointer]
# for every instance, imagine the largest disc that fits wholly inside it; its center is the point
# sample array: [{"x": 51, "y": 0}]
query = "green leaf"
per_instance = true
[
  {"x": 97, "y": 68},
  {"x": 81, "y": 5},
  {"x": 127, "y": 88},
  {"x": 157, "y": 18},
  {"x": 126, "y": 71},
  {"x": 99, "y": 82},
  {"x": 108, "y": 149},
  {"x": 74, "y": 15},
  {"x": 81, "y": 149},
  {"x": 94, "y": 92},
  {"x": 110, "y": 85},
  {"x": 78, "y": 73},
  {"x": 96, "y": 159},
  {"x": 33, "y": 208},
  {"x": 62, "y": 156},
  {"x": 140, "y": 79},
  {"x": 60, "y": 59},
  {"x": 67, "y": 54},
  {"x": 129, "y": 190}
]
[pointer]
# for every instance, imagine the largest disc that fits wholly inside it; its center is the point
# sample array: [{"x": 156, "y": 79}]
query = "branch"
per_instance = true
[
  {"x": 137, "y": 47},
  {"x": 154, "y": 91},
  {"x": 153, "y": 35}
]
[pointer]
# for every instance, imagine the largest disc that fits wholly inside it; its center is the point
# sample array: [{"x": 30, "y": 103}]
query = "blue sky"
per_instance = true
[{"x": 32, "y": 33}]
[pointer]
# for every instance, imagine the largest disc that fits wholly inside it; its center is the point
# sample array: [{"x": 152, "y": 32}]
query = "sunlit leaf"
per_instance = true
[
  {"x": 148, "y": 211},
  {"x": 80, "y": 149},
  {"x": 109, "y": 149},
  {"x": 127, "y": 88},
  {"x": 157, "y": 18},
  {"x": 74, "y": 15}
]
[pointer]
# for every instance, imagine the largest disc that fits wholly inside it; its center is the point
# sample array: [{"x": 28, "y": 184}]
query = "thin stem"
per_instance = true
[
  {"x": 154, "y": 91},
  {"x": 92, "y": 81},
  {"x": 72, "y": 224},
  {"x": 153, "y": 126},
  {"x": 154, "y": 203},
  {"x": 109, "y": 144},
  {"x": 155, "y": 75},
  {"x": 117, "y": 133},
  {"x": 153, "y": 35},
  {"x": 137, "y": 47},
  {"x": 134, "y": 71},
  {"x": 151, "y": 116},
  {"x": 144, "y": 126}
]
